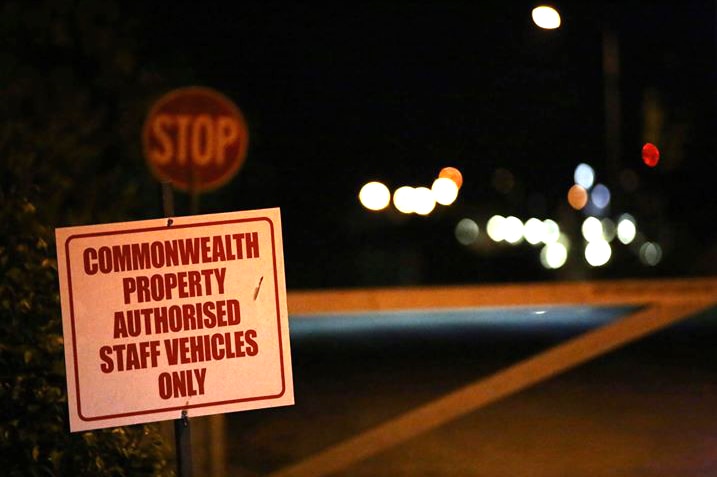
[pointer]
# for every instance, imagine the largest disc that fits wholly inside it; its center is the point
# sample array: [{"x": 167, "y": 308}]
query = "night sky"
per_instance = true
[{"x": 341, "y": 94}]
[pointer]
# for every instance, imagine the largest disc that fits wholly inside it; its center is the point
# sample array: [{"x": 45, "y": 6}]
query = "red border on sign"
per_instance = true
[{"x": 192, "y": 406}]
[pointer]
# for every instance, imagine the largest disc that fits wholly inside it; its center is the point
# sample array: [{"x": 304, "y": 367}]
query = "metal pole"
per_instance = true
[
  {"x": 183, "y": 445},
  {"x": 182, "y": 431}
]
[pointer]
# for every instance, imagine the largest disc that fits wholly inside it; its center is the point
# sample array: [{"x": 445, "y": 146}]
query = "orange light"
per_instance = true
[
  {"x": 577, "y": 197},
  {"x": 453, "y": 174}
]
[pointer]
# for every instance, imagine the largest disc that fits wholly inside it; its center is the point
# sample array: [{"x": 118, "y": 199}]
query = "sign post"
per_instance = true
[{"x": 174, "y": 318}]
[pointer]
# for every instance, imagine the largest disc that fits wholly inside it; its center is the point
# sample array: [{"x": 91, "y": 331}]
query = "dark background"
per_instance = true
[{"x": 339, "y": 94}]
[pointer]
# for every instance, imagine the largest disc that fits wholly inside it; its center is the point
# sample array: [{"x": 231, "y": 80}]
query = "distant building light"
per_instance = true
[
  {"x": 600, "y": 196},
  {"x": 608, "y": 229},
  {"x": 584, "y": 176},
  {"x": 598, "y": 253},
  {"x": 453, "y": 174},
  {"x": 534, "y": 231},
  {"x": 513, "y": 230},
  {"x": 553, "y": 255},
  {"x": 375, "y": 196},
  {"x": 404, "y": 199},
  {"x": 445, "y": 191},
  {"x": 592, "y": 229},
  {"x": 495, "y": 228},
  {"x": 650, "y": 253},
  {"x": 424, "y": 201},
  {"x": 577, "y": 197},
  {"x": 626, "y": 229},
  {"x": 552, "y": 231},
  {"x": 467, "y": 231}
]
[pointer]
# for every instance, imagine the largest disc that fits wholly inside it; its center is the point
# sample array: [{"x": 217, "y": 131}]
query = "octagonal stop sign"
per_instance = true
[{"x": 196, "y": 138}]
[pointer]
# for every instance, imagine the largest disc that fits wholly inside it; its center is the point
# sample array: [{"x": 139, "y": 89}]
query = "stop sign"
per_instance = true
[{"x": 196, "y": 138}]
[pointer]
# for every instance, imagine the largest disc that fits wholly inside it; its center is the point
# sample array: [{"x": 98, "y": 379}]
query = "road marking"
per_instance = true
[{"x": 485, "y": 391}]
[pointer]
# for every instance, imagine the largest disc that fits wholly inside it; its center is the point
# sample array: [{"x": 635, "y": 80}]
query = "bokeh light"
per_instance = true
[
  {"x": 592, "y": 229},
  {"x": 584, "y": 176},
  {"x": 495, "y": 228},
  {"x": 424, "y": 202},
  {"x": 598, "y": 253},
  {"x": 375, "y": 196},
  {"x": 551, "y": 232},
  {"x": 546, "y": 17},
  {"x": 650, "y": 253},
  {"x": 609, "y": 229},
  {"x": 513, "y": 230},
  {"x": 650, "y": 154},
  {"x": 467, "y": 231},
  {"x": 404, "y": 199},
  {"x": 626, "y": 229},
  {"x": 534, "y": 231},
  {"x": 600, "y": 196},
  {"x": 553, "y": 255},
  {"x": 577, "y": 197},
  {"x": 453, "y": 174},
  {"x": 445, "y": 191}
]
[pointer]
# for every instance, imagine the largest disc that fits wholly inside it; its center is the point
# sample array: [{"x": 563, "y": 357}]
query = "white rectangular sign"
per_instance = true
[{"x": 161, "y": 318}]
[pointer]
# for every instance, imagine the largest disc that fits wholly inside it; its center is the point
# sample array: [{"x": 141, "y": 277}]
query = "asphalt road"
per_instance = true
[{"x": 644, "y": 410}]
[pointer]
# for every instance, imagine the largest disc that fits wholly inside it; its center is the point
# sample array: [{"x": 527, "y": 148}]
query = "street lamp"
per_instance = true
[{"x": 546, "y": 17}]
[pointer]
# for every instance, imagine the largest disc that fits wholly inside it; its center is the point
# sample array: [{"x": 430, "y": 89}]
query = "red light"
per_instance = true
[{"x": 650, "y": 154}]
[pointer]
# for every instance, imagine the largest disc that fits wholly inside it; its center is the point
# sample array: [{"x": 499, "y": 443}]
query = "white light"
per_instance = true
[
  {"x": 626, "y": 229},
  {"x": 513, "y": 230},
  {"x": 445, "y": 190},
  {"x": 552, "y": 231},
  {"x": 546, "y": 17},
  {"x": 495, "y": 228},
  {"x": 650, "y": 253},
  {"x": 374, "y": 196},
  {"x": 553, "y": 255},
  {"x": 467, "y": 231},
  {"x": 584, "y": 176},
  {"x": 425, "y": 203},
  {"x": 598, "y": 253},
  {"x": 404, "y": 199},
  {"x": 592, "y": 229},
  {"x": 534, "y": 231},
  {"x": 600, "y": 196}
]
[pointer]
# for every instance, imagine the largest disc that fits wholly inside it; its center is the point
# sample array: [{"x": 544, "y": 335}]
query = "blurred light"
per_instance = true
[
  {"x": 650, "y": 155},
  {"x": 650, "y": 253},
  {"x": 374, "y": 196},
  {"x": 424, "y": 201},
  {"x": 598, "y": 253},
  {"x": 503, "y": 180},
  {"x": 467, "y": 231},
  {"x": 577, "y": 197},
  {"x": 445, "y": 191},
  {"x": 551, "y": 231},
  {"x": 495, "y": 228},
  {"x": 513, "y": 230},
  {"x": 600, "y": 196},
  {"x": 626, "y": 229},
  {"x": 584, "y": 176},
  {"x": 453, "y": 174},
  {"x": 546, "y": 17},
  {"x": 553, "y": 255},
  {"x": 592, "y": 229},
  {"x": 404, "y": 199},
  {"x": 608, "y": 229},
  {"x": 534, "y": 231}
]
